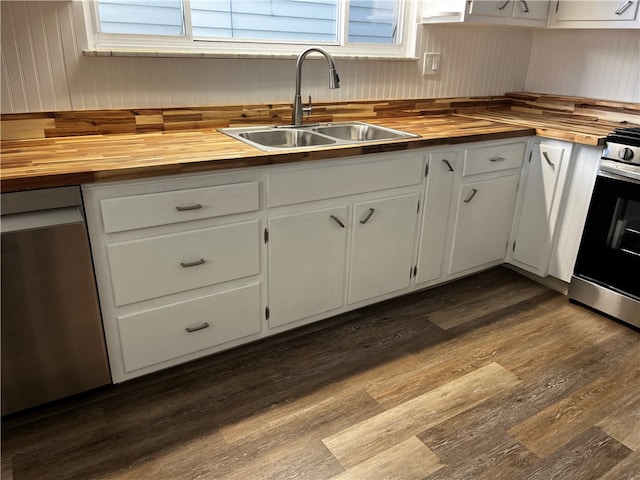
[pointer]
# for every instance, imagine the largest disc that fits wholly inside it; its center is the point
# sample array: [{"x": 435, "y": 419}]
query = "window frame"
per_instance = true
[{"x": 117, "y": 44}]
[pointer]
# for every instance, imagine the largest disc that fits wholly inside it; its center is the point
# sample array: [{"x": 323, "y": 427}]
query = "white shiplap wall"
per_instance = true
[
  {"x": 589, "y": 63},
  {"x": 43, "y": 69}
]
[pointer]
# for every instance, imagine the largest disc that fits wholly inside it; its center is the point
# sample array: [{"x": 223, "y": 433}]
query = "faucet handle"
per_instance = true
[{"x": 308, "y": 108}]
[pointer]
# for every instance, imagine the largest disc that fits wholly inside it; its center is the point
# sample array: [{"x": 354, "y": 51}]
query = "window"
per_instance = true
[{"x": 348, "y": 25}]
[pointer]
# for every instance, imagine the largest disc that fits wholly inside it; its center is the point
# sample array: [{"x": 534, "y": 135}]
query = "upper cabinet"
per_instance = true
[
  {"x": 526, "y": 13},
  {"x": 535, "y": 13},
  {"x": 594, "y": 14}
]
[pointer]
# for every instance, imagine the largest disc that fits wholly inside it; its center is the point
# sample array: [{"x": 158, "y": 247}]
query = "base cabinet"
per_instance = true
[
  {"x": 307, "y": 255},
  {"x": 382, "y": 246},
  {"x": 539, "y": 206},
  {"x": 442, "y": 168},
  {"x": 484, "y": 212}
]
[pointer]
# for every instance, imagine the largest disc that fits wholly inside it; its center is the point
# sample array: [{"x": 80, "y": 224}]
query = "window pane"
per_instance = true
[
  {"x": 373, "y": 21},
  {"x": 157, "y": 17},
  {"x": 299, "y": 20}
]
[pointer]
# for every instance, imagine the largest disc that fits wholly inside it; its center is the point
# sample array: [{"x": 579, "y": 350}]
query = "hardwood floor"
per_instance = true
[{"x": 490, "y": 377}]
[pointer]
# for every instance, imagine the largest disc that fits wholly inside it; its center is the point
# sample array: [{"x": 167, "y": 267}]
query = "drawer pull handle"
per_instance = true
[
  {"x": 199, "y": 327},
  {"x": 472, "y": 194},
  {"x": 504, "y": 5},
  {"x": 546, "y": 157},
  {"x": 623, "y": 7},
  {"x": 337, "y": 220},
  {"x": 446, "y": 162},
  {"x": 192, "y": 264},
  {"x": 189, "y": 207},
  {"x": 366, "y": 219},
  {"x": 497, "y": 159}
]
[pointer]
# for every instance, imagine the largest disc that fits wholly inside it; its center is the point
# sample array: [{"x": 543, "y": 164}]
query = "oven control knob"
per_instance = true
[{"x": 625, "y": 153}]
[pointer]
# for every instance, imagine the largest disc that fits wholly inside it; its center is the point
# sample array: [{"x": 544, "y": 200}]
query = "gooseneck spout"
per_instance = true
[{"x": 334, "y": 81}]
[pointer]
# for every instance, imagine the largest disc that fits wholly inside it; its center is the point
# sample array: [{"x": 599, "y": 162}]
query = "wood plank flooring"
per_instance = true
[{"x": 489, "y": 377}]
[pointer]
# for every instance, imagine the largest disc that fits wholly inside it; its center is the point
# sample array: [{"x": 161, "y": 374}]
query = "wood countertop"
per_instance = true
[{"x": 60, "y": 161}]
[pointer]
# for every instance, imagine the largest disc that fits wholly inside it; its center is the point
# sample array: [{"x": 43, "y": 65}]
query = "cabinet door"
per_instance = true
[
  {"x": 485, "y": 8},
  {"x": 483, "y": 222},
  {"x": 541, "y": 197},
  {"x": 596, "y": 11},
  {"x": 435, "y": 215},
  {"x": 531, "y": 10},
  {"x": 306, "y": 254},
  {"x": 382, "y": 246}
]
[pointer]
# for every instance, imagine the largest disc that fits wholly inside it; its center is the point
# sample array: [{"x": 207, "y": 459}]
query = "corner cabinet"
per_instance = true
[
  {"x": 594, "y": 14},
  {"x": 539, "y": 205}
]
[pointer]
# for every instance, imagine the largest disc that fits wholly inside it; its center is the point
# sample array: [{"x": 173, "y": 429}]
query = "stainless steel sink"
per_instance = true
[
  {"x": 326, "y": 134},
  {"x": 285, "y": 138},
  {"x": 360, "y": 132}
]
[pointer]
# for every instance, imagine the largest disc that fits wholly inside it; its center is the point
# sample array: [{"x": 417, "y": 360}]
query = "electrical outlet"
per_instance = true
[{"x": 431, "y": 64}]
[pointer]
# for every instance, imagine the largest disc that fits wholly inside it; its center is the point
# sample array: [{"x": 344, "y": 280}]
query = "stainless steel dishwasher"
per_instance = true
[{"x": 52, "y": 339}]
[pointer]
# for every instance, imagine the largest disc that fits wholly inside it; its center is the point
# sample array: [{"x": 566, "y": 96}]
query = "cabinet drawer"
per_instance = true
[
  {"x": 161, "y": 334},
  {"x": 149, "y": 210},
  {"x": 156, "y": 266},
  {"x": 317, "y": 183},
  {"x": 493, "y": 158}
]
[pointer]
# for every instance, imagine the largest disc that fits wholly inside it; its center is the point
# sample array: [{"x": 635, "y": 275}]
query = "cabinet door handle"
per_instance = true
[
  {"x": 446, "y": 162},
  {"x": 546, "y": 157},
  {"x": 557, "y": 5},
  {"x": 366, "y": 219},
  {"x": 526, "y": 7},
  {"x": 188, "y": 207},
  {"x": 472, "y": 194},
  {"x": 337, "y": 220},
  {"x": 504, "y": 5},
  {"x": 192, "y": 264},
  {"x": 202, "y": 326},
  {"x": 623, "y": 7},
  {"x": 497, "y": 159}
]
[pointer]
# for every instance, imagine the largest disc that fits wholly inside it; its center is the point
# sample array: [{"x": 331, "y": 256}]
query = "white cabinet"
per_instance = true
[
  {"x": 382, "y": 246},
  {"x": 482, "y": 223},
  {"x": 573, "y": 212},
  {"x": 540, "y": 200},
  {"x": 442, "y": 168},
  {"x": 307, "y": 254},
  {"x": 484, "y": 198},
  {"x": 526, "y": 13},
  {"x": 340, "y": 234},
  {"x": 178, "y": 267},
  {"x": 594, "y": 14}
]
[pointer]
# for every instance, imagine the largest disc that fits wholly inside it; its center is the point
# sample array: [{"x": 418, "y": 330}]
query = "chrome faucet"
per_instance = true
[{"x": 334, "y": 82}]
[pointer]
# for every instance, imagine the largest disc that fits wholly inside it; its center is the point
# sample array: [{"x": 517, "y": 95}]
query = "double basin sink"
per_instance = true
[{"x": 324, "y": 134}]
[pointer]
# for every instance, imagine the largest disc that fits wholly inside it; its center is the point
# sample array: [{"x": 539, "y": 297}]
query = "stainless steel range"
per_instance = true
[{"x": 607, "y": 271}]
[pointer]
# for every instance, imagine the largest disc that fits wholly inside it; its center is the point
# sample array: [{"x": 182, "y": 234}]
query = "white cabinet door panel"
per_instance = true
[
  {"x": 382, "y": 246},
  {"x": 483, "y": 222},
  {"x": 307, "y": 254},
  {"x": 541, "y": 197},
  {"x": 435, "y": 215}
]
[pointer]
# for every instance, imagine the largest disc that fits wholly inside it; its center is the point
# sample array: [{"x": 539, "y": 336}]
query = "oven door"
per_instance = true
[{"x": 609, "y": 252}]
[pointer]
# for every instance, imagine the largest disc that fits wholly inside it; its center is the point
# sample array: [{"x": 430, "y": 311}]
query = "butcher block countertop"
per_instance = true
[{"x": 70, "y": 160}]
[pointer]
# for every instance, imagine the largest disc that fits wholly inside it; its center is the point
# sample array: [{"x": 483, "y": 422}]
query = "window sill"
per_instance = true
[{"x": 221, "y": 55}]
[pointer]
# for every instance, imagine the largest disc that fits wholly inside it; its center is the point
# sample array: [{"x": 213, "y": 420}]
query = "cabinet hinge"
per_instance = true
[
  {"x": 266, "y": 313},
  {"x": 426, "y": 169},
  {"x": 266, "y": 235}
]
